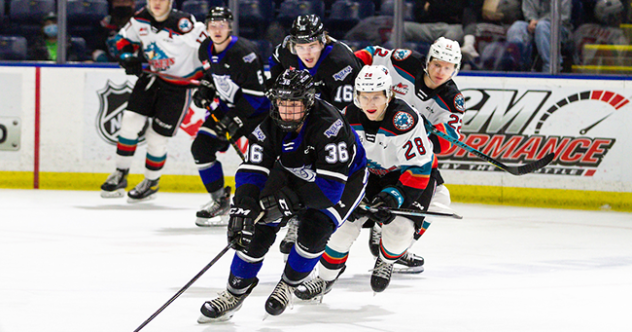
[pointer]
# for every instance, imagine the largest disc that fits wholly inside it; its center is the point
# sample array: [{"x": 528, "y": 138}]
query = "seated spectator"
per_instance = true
[
  {"x": 44, "y": 47},
  {"x": 605, "y": 18},
  {"x": 485, "y": 22},
  {"x": 120, "y": 13},
  {"x": 434, "y": 19},
  {"x": 375, "y": 29},
  {"x": 536, "y": 28}
]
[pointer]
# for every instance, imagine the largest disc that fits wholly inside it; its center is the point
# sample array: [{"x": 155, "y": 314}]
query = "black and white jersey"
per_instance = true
[
  {"x": 169, "y": 47},
  {"x": 334, "y": 73},
  {"x": 321, "y": 157},
  {"x": 443, "y": 106},
  {"x": 237, "y": 72},
  {"x": 398, "y": 144}
]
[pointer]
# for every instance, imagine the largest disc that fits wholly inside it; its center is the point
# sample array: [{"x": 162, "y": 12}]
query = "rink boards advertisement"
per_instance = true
[{"x": 516, "y": 120}]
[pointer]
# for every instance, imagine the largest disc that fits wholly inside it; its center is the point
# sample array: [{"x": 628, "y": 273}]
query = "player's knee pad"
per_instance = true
[
  {"x": 156, "y": 143},
  {"x": 262, "y": 239},
  {"x": 203, "y": 149},
  {"x": 132, "y": 124},
  {"x": 397, "y": 236},
  {"x": 314, "y": 231},
  {"x": 342, "y": 239}
]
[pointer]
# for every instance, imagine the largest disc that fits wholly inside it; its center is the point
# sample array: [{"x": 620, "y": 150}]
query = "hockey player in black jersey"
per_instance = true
[
  {"x": 168, "y": 40},
  {"x": 331, "y": 63},
  {"x": 234, "y": 73},
  {"x": 399, "y": 158},
  {"x": 320, "y": 179}
]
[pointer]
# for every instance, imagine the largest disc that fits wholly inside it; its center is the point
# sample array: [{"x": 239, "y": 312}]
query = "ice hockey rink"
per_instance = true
[{"x": 72, "y": 261}]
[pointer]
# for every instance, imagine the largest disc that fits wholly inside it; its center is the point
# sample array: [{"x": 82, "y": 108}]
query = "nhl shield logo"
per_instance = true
[{"x": 112, "y": 102}]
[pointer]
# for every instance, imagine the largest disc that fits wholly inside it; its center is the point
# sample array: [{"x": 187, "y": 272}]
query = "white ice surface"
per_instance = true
[{"x": 72, "y": 261}]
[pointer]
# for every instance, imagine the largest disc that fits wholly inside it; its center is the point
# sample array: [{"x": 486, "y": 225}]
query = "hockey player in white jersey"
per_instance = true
[
  {"x": 399, "y": 158},
  {"x": 169, "y": 40},
  {"x": 426, "y": 84}
]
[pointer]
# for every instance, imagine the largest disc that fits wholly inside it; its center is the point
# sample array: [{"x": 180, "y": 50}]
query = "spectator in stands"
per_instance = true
[
  {"x": 485, "y": 27},
  {"x": 438, "y": 18},
  {"x": 603, "y": 18},
  {"x": 536, "y": 28},
  {"x": 120, "y": 13},
  {"x": 44, "y": 47}
]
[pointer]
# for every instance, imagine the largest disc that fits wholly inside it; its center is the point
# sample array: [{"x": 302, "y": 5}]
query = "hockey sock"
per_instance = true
[
  {"x": 154, "y": 165},
  {"x": 212, "y": 176},
  {"x": 125, "y": 149}
]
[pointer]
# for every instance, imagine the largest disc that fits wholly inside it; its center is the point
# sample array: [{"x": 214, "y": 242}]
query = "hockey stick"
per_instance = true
[
  {"x": 197, "y": 276},
  {"x": 515, "y": 170},
  {"x": 172, "y": 78},
  {"x": 228, "y": 138},
  {"x": 410, "y": 212}
]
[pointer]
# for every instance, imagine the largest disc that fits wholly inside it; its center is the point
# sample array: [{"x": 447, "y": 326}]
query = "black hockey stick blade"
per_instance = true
[
  {"x": 515, "y": 170},
  {"x": 173, "y": 298},
  {"x": 411, "y": 212}
]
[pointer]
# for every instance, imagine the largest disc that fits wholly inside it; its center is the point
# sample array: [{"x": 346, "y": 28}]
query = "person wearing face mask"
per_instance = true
[
  {"x": 120, "y": 13},
  {"x": 44, "y": 47}
]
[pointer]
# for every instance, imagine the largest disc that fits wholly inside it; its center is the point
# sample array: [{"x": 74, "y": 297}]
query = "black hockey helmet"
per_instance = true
[
  {"x": 219, "y": 14},
  {"x": 292, "y": 85},
  {"x": 306, "y": 29}
]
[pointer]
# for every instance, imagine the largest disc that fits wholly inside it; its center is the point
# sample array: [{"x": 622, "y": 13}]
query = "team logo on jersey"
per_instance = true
[
  {"x": 112, "y": 102},
  {"x": 459, "y": 102},
  {"x": 341, "y": 75},
  {"x": 258, "y": 133},
  {"x": 401, "y": 54},
  {"x": 143, "y": 31},
  {"x": 401, "y": 88},
  {"x": 185, "y": 25},
  {"x": 157, "y": 58},
  {"x": 250, "y": 57},
  {"x": 334, "y": 129},
  {"x": 305, "y": 173},
  {"x": 403, "y": 121}
]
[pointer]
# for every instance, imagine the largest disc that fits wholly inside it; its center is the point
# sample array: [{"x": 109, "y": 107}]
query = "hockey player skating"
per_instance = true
[
  {"x": 234, "y": 72},
  {"x": 427, "y": 85},
  {"x": 399, "y": 158},
  {"x": 168, "y": 39},
  {"x": 331, "y": 63},
  {"x": 321, "y": 177}
]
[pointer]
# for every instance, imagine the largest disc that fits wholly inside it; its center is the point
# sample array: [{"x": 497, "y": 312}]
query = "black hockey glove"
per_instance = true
[
  {"x": 241, "y": 226},
  {"x": 383, "y": 199},
  {"x": 228, "y": 125},
  {"x": 359, "y": 211},
  {"x": 205, "y": 93},
  {"x": 132, "y": 64},
  {"x": 280, "y": 206}
]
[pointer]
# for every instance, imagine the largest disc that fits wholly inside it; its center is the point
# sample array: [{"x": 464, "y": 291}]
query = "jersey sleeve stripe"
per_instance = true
[
  {"x": 416, "y": 177},
  {"x": 253, "y": 168},
  {"x": 336, "y": 175},
  {"x": 253, "y": 92},
  {"x": 244, "y": 177},
  {"x": 404, "y": 74},
  {"x": 330, "y": 188}
]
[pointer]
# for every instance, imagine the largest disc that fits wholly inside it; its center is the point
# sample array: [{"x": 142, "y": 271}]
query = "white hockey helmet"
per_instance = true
[
  {"x": 609, "y": 12},
  {"x": 445, "y": 50},
  {"x": 371, "y": 79}
]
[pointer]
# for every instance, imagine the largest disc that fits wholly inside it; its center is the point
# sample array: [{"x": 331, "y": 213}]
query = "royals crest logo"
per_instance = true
[{"x": 112, "y": 102}]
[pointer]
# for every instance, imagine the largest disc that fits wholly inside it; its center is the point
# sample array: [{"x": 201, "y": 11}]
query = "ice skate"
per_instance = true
[
  {"x": 409, "y": 263},
  {"x": 290, "y": 237},
  {"x": 144, "y": 191},
  {"x": 316, "y": 288},
  {"x": 212, "y": 212},
  {"x": 223, "y": 307},
  {"x": 381, "y": 276},
  {"x": 114, "y": 186},
  {"x": 279, "y": 299},
  {"x": 374, "y": 240}
]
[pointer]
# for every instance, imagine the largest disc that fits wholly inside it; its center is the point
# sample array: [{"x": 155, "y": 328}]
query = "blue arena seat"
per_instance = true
[
  {"x": 388, "y": 8},
  {"x": 88, "y": 12},
  {"x": 197, "y": 8},
  {"x": 345, "y": 14},
  {"x": 12, "y": 48},
  {"x": 30, "y": 11},
  {"x": 254, "y": 17},
  {"x": 290, "y": 9}
]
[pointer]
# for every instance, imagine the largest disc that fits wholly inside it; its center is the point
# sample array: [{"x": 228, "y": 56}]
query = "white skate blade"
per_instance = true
[
  {"x": 408, "y": 270},
  {"x": 142, "y": 200},
  {"x": 217, "y": 221},
  {"x": 113, "y": 194},
  {"x": 205, "y": 320}
]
